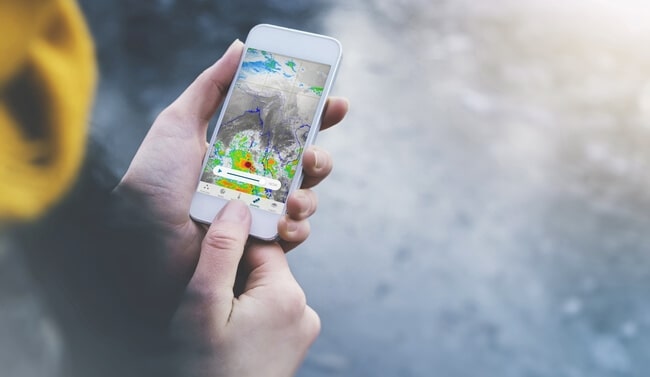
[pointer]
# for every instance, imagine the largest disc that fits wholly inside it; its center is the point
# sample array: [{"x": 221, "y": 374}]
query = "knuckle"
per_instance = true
[
  {"x": 220, "y": 86},
  {"x": 292, "y": 304},
  {"x": 312, "y": 324},
  {"x": 220, "y": 238}
]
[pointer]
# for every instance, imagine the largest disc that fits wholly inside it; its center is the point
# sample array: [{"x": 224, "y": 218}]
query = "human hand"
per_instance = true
[
  {"x": 263, "y": 331},
  {"x": 165, "y": 172},
  {"x": 167, "y": 165},
  {"x": 105, "y": 255}
]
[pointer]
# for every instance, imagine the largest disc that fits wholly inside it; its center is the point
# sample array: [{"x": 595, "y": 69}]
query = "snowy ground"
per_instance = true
[{"x": 489, "y": 212}]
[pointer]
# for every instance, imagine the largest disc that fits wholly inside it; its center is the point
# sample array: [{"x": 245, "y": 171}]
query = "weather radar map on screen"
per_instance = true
[{"x": 264, "y": 129}]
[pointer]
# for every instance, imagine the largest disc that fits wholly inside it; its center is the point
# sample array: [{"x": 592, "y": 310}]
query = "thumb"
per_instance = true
[{"x": 221, "y": 251}]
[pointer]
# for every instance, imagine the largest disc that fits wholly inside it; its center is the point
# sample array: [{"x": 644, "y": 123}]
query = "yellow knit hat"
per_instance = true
[{"x": 47, "y": 81}]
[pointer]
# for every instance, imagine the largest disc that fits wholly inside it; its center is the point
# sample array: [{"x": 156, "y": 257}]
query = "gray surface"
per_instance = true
[{"x": 488, "y": 213}]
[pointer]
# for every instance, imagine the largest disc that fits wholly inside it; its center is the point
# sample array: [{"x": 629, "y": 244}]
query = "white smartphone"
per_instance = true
[{"x": 271, "y": 114}]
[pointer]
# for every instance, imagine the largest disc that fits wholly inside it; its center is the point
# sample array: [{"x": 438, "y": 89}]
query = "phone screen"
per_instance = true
[{"x": 258, "y": 147}]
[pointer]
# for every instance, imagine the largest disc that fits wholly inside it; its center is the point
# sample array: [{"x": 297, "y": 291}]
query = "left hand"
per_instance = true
[{"x": 167, "y": 166}]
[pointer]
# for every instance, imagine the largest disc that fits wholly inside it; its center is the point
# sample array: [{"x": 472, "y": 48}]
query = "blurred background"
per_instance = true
[{"x": 488, "y": 214}]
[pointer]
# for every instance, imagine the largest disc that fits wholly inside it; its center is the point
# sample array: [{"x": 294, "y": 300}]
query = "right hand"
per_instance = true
[{"x": 252, "y": 323}]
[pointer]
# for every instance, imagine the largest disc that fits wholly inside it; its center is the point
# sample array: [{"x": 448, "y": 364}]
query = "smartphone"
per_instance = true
[{"x": 271, "y": 113}]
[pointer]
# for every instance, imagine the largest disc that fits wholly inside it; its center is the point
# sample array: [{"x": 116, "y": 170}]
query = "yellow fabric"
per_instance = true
[{"x": 47, "y": 82}]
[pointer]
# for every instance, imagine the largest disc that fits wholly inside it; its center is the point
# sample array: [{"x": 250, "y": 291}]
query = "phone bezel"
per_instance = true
[{"x": 296, "y": 44}]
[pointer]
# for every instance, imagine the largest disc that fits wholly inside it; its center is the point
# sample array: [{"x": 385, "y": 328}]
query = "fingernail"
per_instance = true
[
  {"x": 304, "y": 202},
  {"x": 234, "y": 210},
  {"x": 234, "y": 43},
  {"x": 231, "y": 47},
  {"x": 292, "y": 226},
  {"x": 316, "y": 160}
]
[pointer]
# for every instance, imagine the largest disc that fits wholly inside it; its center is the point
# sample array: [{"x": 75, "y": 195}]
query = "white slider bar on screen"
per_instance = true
[{"x": 240, "y": 176}]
